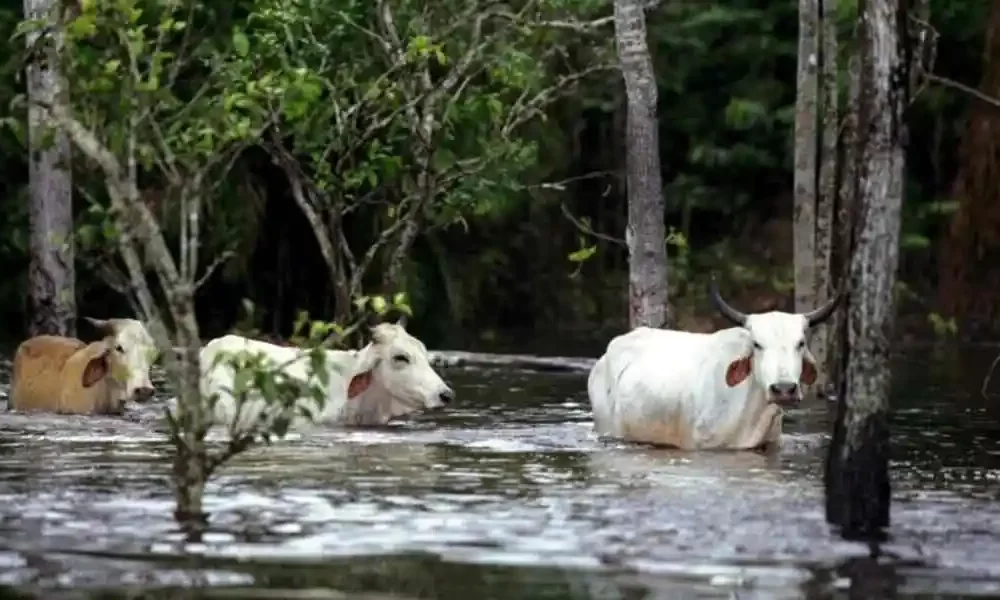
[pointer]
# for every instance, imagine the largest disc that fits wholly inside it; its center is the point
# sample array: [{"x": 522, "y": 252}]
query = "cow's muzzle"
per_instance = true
[
  {"x": 143, "y": 394},
  {"x": 785, "y": 394}
]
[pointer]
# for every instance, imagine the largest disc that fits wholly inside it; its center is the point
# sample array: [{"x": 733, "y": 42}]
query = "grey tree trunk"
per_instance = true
[
  {"x": 857, "y": 478},
  {"x": 826, "y": 198},
  {"x": 844, "y": 216},
  {"x": 806, "y": 159},
  {"x": 51, "y": 275},
  {"x": 645, "y": 234}
]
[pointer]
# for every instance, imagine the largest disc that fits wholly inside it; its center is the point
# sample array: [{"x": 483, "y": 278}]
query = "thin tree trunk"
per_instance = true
[
  {"x": 645, "y": 234},
  {"x": 845, "y": 217},
  {"x": 826, "y": 199},
  {"x": 140, "y": 225},
  {"x": 806, "y": 149},
  {"x": 51, "y": 275},
  {"x": 857, "y": 482}
]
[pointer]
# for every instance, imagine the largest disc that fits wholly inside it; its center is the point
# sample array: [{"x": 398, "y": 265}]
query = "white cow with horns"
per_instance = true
[
  {"x": 724, "y": 390},
  {"x": 390, "y": 377}
]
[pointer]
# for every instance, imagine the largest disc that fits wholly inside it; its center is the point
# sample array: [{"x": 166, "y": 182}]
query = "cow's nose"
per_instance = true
[
  {"x": 784, "y": 388},
  {"x": 143, "y": 394},
  {"x": 446, "y": 396}
]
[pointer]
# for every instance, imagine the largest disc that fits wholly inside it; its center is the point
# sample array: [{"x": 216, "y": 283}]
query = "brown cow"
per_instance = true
[{"x": 67, "y": 376}]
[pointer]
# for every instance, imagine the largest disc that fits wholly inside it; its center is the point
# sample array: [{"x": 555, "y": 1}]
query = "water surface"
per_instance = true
[{"x": 507, "y": 495}]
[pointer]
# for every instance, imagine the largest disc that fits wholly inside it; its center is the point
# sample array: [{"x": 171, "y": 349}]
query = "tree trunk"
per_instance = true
[
  {"x": 51, "y": 274},
  {"x": 970, "y": 275},
  {"x": 190, "y": 460},
  {"x": 806, "y": 148},
  {"x": 857, "y": 478},
  {"x": 645, "y": 234},
  {"x": 845, "y": 216},
  {"x": 826, "y": 198}
]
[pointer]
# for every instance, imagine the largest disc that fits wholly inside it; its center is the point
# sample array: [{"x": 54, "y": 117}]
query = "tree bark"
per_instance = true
[
  {"x": 826, "y": 198},
  {"x": 857, "y": 479},
  {"x": 140, "y": 225},
  {"x": 806, "y": 150},
  {"x": 645, "y": 234},
  {"x": 51, "y": 274},
  {"x": 397, "y": 259},
  {"x": 191, "y": 458},
  {"x": 845, "y": 216},
  {"x": 970, "y": 277}
]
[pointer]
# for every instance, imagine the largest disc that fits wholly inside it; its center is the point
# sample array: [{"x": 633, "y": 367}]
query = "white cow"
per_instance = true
[
  {"x": 138, "y": 349},
  {"x": 390, "y": 377},
  {"x": 722, "y": 390}
]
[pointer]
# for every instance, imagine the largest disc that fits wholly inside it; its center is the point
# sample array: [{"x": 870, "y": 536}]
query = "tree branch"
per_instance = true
[
  {"x": 587, "y": 229},
  {"x": 986, "y": 99},
  {"x": 524, "y": 109},
  {"x": 295, "y": 180},
  {"x": 387, "y": 234},
  {"x": 218, "y": 262},
  {"x": 576, "y": 26}
]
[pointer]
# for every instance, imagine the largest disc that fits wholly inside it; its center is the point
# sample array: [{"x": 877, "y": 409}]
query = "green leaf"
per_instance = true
[
  {"x": 241, "y": 381},
  {"x": 27, "y": 26},
  {"x": 582, "y": 254},
  {"x": 84, "y": 26},
  {"x": 241, "y": 43}
]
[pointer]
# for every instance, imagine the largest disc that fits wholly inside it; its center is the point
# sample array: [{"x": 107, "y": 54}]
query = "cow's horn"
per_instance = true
[
  {"x": 727, "y": 311},
  {"x": 823, "y": 313}
]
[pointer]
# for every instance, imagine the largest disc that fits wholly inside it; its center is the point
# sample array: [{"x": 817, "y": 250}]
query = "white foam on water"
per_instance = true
[{"x": 501, "y": 445}]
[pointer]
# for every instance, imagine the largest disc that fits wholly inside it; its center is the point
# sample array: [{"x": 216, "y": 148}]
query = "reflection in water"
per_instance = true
[{"x": 508, "y": 495}]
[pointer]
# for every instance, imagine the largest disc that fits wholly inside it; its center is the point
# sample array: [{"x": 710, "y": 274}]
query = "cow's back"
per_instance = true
[
  {"x": 660, "y": 359},
  {"x": 294, "y": 362},
  {"x": 645, "y": 383},
  {"x": 36, "y": 380}
]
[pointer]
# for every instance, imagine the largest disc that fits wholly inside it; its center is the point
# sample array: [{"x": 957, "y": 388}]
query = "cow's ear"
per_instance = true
[
  {"x": 808, "y": 376},
  {"x": 365, "y": 362},
  {"x": 95, "y": 370},
  {"x": 738, "y": 371},
  {"x": 359, "y": 383}
]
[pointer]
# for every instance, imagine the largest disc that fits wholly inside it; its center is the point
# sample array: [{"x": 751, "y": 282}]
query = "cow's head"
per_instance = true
[
  {"x": 103, "y": 376},
  {"x": 396, "y": 364},
  {"x": 777, "y": 357},
  {"x": 133, "y": 342}
]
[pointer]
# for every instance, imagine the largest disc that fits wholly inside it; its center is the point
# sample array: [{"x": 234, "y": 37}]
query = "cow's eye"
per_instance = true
[
  {"x": 401, "y": 358},
  {"x": 119, "y": 349},
  {"x": 757, "y": 346},
  {"x": 801, "y": 344}
]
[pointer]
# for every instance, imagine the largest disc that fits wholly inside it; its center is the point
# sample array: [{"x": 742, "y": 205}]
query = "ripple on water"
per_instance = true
[{"x": 513, "y": 476}]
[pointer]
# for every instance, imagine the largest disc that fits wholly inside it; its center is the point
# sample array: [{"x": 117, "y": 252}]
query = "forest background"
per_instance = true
[{"x": 523, "y": 247}]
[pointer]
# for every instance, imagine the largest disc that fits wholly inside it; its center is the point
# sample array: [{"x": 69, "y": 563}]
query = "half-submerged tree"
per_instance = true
[
  {"x": 645, "y": 234},
  {"x": 51, "y": 278},
  {"x": 857, "y": 470}
]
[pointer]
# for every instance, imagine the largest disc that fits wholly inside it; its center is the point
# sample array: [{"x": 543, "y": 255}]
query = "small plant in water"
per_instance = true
[{"x": 258, "y": 377}]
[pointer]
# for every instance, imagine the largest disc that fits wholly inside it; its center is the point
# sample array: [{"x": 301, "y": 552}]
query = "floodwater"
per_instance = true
[{"x": 507, "y": 495}]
